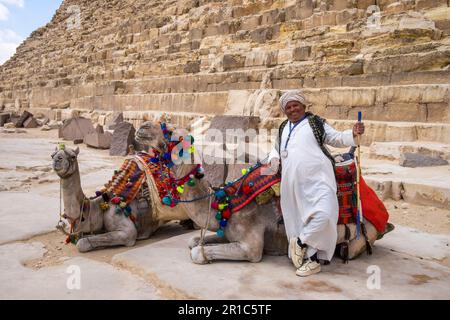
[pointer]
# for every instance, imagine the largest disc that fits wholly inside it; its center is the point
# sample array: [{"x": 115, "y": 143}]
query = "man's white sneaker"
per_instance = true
[
  {"x": 308, "y": 268},
  {"x": 297, "y": 252}
]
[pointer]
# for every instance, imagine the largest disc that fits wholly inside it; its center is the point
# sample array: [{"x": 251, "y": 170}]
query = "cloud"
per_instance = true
[
  {"x": 18, "y": 3},
  {"x": 4, "y": 13},
  {"x": 9, "y": 41}
]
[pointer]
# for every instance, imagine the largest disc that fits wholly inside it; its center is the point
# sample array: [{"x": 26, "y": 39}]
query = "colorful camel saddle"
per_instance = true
[{"x": 127, "y": 181}]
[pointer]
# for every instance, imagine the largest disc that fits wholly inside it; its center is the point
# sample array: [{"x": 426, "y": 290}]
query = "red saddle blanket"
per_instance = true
[
  {"x": 244, "y": 190},
  {"x": 373, "y": 208}
]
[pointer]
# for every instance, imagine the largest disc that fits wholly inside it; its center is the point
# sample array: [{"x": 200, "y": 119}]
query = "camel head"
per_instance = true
[
  {"x": 150, "y": 135},
  {"x": 65, "y": 161}
]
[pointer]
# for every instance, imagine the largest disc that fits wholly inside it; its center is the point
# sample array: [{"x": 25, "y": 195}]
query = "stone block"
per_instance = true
[
  {"x": 25, "y": 115},
  {"x": 98, "y": 139},
  {"x": 4, "y": 118},
  {"x": 30, "y": 123},
  {"x": 122, "y": 138},
  {"x": 414, "y": 160},
  {"x": 233, "y": 61},
  {"x": 192, "y": 67},
  {"x": 75, "y": 128},
  {"x": 250, "y": 23},
  {"x": 302, "y": 53}
]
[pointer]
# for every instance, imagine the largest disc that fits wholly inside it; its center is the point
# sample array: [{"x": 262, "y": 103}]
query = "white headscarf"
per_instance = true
[{"x": 292, "y": 95}]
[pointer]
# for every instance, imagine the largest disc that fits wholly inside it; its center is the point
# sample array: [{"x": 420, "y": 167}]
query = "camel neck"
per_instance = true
[{"x": 72, "y": 193}]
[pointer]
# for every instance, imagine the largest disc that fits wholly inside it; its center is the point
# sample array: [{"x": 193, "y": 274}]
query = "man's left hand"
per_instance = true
[{"x": 358, "y": 129}]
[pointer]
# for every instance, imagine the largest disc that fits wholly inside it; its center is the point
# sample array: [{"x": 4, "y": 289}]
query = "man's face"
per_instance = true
[{"x": 294, "y": 111}]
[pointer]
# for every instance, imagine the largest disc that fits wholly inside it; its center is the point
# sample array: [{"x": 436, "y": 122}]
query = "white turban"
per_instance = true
[{"x": 292, "y": 95}]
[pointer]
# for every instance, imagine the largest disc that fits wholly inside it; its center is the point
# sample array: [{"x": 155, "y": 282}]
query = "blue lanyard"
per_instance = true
[{"x": 291, "y": 129}]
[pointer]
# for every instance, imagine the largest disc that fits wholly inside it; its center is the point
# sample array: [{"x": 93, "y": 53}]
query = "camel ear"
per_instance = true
[{"x": 77, "y": 151}]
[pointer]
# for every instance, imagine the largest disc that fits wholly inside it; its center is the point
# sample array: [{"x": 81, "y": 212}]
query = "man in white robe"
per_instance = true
[{"x": 308, "y": 185}]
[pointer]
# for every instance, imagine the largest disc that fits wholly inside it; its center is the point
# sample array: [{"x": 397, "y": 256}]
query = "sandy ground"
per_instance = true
[{"x": 32, "y": 251}]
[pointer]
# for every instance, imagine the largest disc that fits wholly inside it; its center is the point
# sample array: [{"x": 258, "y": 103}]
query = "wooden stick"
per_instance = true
[{"x": 359, "y": 216}]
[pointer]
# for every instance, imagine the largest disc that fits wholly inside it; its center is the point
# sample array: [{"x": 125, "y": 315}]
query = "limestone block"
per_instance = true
[
  {"x": 351, "y": 97},
  {"x": 423, "y": 4},
  {"x": 285, "y": 56},
  {"x": 338, "y": 5},
  {"x": 192, "y": 67},
  {"x": 255, "y": 58},
  {"x": 436, "y": 93},
  {"x": 236, "y": 102},
  {"x": 399, "y": 94},
  {"x": 122, "y": 138},
  {"x": 98, "y": 139},
  {"x": 75, "y": 128},
  {"x": 414, "y": 160},
  {"x": 250, "y": 23},
  {"x": 25, "y": 115},
  {"x": 4, "y": 118},
  {"x": 30, "y": 123},
  {"x": 413, "y": 112},
  {"x": 302, "y": 53},
  {"x": 233, "y": 61},
  {"x": 438, "y": 112},
  {"x": 272, "y": 17}
]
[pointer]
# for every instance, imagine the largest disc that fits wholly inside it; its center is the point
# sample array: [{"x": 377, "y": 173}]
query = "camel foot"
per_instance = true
[
  {"x": 84, "y": 245},
  {"x": 197, "y": 256},
  {"x": 193, "y": 242}
]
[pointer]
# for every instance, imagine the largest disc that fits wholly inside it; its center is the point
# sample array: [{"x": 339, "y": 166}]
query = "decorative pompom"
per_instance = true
[
  {"x": 180, "y": 189},
  {"x": 191, "y": 149},
  {"x": 191, "y": 183},
  {"x": 123, "y": 205},
  {"x": 244, "y": 171},
  {"x": 246, "y": 189},
  {"x": 172, "y": 204},
  {"x": 167, "y": 201},
  {"x": 251, "y": 184},
  {"x": 104, "y": 206},
  {"x": 115, "y": 200},
  {"x": 163, "y": 125},
  {"x": 218, "y": 216},
  {"x": 215, "y": 205},
  {"x": 199, "y": 175},
  {"x": 223, "y": 206},
  {"x": 220, "y": 194},
  {"x": 223, "y": 223},
  {"x": 118, "y": 210},
  {"x": 226, "y": 214},
  {"x": 167, "y": 156},
  {"x": 220, "y": 233},
  {"x": 200, "y": 170},
  {"x": 98, "y": 193}
]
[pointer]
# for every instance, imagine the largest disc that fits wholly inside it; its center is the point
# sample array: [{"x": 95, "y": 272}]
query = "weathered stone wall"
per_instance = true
[{"x": 200, "y": 57}]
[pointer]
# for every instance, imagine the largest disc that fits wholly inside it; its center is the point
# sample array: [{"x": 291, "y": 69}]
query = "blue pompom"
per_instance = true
[
  {"x": 154, "y": 160},
  {"x": 220, "y": 194},
  {"x": 167, "y": 201},
  {"x": 223, "y": 223},
  {"x": 167, "y": 156},
  {"x": 220, "y": 233},
  {"x": 98, "y": 193}
]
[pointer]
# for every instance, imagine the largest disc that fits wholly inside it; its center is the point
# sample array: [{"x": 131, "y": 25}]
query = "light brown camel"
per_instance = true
[
  {"x": 252, "y": 231},
  {"x": 104, "y": 228}
]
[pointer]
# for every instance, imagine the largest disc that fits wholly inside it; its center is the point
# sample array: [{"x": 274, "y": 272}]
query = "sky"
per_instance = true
[{"x": 18, "y": 18}]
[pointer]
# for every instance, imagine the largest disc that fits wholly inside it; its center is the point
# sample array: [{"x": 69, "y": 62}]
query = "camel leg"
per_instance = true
[
  {"x": 229, "y": 251},
  {"x": 109, "y": 239},
  {"x": 208, "y": 240}
]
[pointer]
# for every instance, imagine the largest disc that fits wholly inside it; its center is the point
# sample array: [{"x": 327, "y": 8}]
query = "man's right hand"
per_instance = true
[{"x": 274, "y": 164}]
